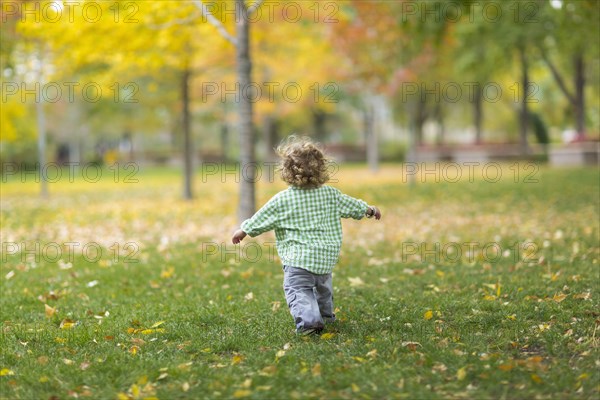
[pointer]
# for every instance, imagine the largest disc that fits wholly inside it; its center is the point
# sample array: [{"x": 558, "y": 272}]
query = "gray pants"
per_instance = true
[{"x": 309, "y": 297}]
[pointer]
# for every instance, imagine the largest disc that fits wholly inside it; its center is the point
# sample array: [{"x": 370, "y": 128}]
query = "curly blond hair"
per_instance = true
[{"x": 303, "y": 163}]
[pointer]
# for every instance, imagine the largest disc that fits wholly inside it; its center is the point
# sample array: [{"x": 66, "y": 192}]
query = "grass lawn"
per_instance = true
[{"x": 482, "y": 289}]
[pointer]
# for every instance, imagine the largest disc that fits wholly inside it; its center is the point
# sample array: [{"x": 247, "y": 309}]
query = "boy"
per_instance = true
[{"x": 308, "y": 231}]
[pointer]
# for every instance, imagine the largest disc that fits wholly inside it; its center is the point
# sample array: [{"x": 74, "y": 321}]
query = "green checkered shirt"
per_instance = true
[{"x": 307, "y": 225}]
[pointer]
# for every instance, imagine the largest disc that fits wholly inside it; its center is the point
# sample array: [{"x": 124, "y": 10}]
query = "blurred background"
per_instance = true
[{"x": 190, "y": 82}]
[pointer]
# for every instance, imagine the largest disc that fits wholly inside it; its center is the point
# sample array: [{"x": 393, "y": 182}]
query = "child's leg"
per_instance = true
[
  {"x": 298, "y": 286},
  {"x": 324, "y": 294}
]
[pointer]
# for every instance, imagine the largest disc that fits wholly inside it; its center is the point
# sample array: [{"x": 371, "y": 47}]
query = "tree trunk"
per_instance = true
[
  {"x": 524, "y": 114},
  {"x": 579, "y": 105},
  {"x": 270, "y": 136},
  {"x": 41, "y": 125},
  {"x": 319, "y": 118},
  {"x": 187, "y": 139},
  {"x": 439, "y": 114},
  {"x": 371, "y": 138},
  {"x": 246, "y": 132},
  {"x": 420, "y": 118},
  {"x": 224, "y": 135},
  {"x": 478, "y": 115}
]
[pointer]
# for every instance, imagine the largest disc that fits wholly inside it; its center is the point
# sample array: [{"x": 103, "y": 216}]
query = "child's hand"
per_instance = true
[
  {"x": 238, "y": 236},
  {"x": 377, "y": 213},
  {"x": 374, "y": 212}
]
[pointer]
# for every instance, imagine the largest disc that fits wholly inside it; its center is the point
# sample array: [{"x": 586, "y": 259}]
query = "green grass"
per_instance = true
[{"x": 422, "y": 323}]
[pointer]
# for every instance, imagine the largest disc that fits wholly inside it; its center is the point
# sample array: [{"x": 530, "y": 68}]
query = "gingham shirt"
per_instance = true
[{"x": 307, "y": 225}]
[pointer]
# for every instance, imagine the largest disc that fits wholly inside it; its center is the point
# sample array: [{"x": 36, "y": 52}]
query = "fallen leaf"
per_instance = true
[
  {"x": 583, "y": 296},
  {"x": 559, "y": 297},
  {"x": 67, "y": 323},
  {"x": 241, "y": 393},
  {"x": 50, "y": 311},
  {"x": 461, "y": 374},
  {"x": 168, "y": 273},
  {"x": 327, "y": 336},
  {"x": 412, "y": 346},
  {"x": 249, "y": 296},
  {"x": 428, "y": 315},
  {"x": 6, "y": 372},
  {"x": 316, "y": 370},
  {"x": 372, "y": 353},
  {"x": 236, "y": 359},
  {"x": 355, "y": 282},
  {"x": 185, "y": 386}
]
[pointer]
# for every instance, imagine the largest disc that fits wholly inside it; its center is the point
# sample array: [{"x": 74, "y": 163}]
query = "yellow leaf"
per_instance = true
[
  {"x": 372, "y": 353},
  {"x": 6, "y": 371},
  {"x": 559, "y": 297},
  {"x": 461, "y": 373},
  {"x": 505, "y": 367},
  {"x": 168, "y": 273},
  {"x": 236, "y": 359},
  {"x": 280, "y": 354},
  {"x": 185, "y": 387},
  {"x": 316, "y": 369},
  {"x": 584, "y": 296},
  {"x": 157, "y": 324},
  {"x": 43, "y": 379},
  {"x": 355, "y": 388},
  {"x": 327, "y": 335},
  {"x": 50, "y": 311},
  {"x": 67, "y": 323},
  {"x": 122, "y": 396},
  {"x": 428, "y": 315},
  {"x": 135, "y": 390},
  {"x": 536, "y": 378},
  {"x": 268, "y": 370},
  {"x": 355, "y": 282},
  {"x": 241, "y": 393}
]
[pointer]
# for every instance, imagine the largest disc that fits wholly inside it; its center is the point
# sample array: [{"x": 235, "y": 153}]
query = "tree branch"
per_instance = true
[
  {"x": 215, "y": 22},
  {"x": 558, "y": 77},
  {"x": 177, "y": 21},
  {"x": 254, "y": 6}
]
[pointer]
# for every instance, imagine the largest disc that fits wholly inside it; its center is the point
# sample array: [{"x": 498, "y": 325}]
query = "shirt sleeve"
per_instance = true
[
  {"x": 349, "y": 207},
  {"x": 263, "y": 220}
]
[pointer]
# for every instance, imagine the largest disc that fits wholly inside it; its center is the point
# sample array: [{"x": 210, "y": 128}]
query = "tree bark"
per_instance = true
[
  {"x": 41, "y": 127},
  {"x": 187, "y": 139},
  {"x": 478, "y": 115},
  {"x": 271, "y": 135},
  {"x": 579, "y": 104},
  {"x": 524, "y": 114},
  {"x": 577, "y": 99},
  {"x": 319, "y": 118},
  {"x": 371, "y": 138},
  {"x": 247, "y": 203}
]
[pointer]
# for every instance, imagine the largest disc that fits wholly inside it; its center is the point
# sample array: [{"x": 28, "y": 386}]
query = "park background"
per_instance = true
[{"x": 136, "y": 135}]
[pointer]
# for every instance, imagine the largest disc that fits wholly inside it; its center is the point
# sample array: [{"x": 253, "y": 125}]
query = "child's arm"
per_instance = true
[
  {"x": 262, "y": 221},
  {"x": 349, "y": 207}
]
